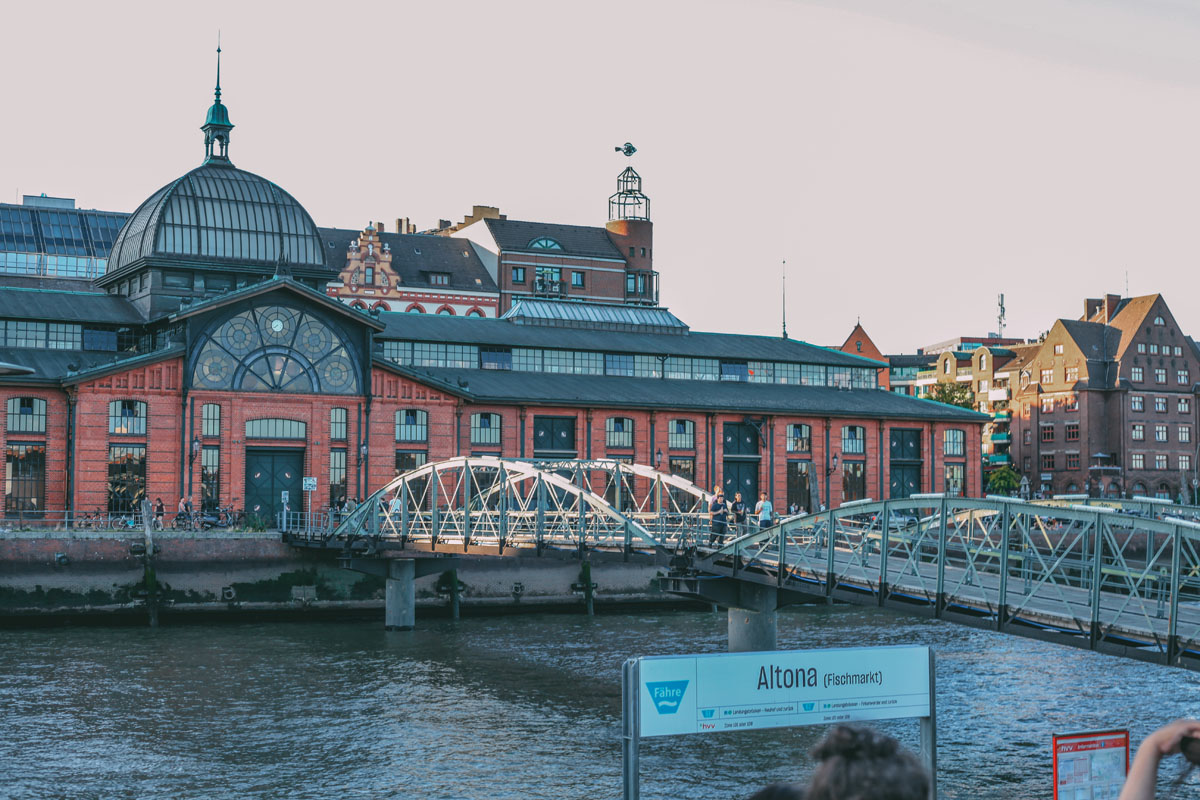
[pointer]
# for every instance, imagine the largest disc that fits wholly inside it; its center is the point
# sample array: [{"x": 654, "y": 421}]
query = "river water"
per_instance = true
[{"x": 504, "y": 707}]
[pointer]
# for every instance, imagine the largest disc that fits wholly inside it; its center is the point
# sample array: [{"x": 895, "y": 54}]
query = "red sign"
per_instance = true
[{"x": 1090, "y": 766}]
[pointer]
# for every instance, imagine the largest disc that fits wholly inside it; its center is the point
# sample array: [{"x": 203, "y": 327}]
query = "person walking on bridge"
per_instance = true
[
  {"x": 716, "y": 515},
  {"x": 764, "y": 511}
]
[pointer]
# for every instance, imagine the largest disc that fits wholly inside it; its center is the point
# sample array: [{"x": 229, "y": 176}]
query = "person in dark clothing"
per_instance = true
[
  {"x": 737, "y": 513},
  {"x": 717, "y": 510}
]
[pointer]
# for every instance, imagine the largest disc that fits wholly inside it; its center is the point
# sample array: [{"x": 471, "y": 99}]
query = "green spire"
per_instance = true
[{"x": 217, "y": 125}]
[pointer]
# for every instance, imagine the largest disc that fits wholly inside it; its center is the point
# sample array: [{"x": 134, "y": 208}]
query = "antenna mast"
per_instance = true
[
  {"x": 784, "y": 279},
  {"x": 1000, "y": 317}
]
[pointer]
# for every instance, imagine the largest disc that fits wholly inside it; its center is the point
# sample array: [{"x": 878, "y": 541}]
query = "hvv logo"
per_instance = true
[{"x": 667, "y": 695}]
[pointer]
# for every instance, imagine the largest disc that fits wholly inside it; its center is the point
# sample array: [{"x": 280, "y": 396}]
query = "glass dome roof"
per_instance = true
[{"x": 220, "y": 215}]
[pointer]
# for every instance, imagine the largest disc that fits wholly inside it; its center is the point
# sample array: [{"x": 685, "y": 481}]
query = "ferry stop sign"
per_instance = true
[{"x": 674, "y": 695}]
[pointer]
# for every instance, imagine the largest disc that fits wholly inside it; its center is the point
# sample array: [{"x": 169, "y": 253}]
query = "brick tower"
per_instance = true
[{"x": 630, "y": 229}]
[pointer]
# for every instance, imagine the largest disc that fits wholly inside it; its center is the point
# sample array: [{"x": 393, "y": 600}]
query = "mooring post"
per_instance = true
[
  {"x": 149, "y": 578},
  {"x": 585, "y": 578},
  {"x": 400, "y": 596}
]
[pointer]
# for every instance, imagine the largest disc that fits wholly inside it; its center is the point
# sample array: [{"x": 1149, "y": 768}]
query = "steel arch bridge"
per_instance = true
[
  {"x": 1116, "y": 576},
  {"x": 495, "y": 506}
]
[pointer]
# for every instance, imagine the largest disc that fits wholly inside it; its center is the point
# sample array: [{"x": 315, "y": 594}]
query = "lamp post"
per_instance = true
[{"x": 658, "y": 458}]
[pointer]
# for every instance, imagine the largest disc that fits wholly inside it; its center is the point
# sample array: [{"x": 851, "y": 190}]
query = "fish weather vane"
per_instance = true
[{"x": 627, "y": 148}]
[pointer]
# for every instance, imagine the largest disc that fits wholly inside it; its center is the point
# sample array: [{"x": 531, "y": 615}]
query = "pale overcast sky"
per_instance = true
[{"x": 910, "y": 158}]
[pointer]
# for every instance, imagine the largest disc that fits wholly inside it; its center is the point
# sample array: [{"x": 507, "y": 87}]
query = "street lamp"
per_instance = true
[
  {"x": 658, "y": 458},
  {"x": 362, "y": 451},
  {"x": 832, "y": 469},
  {"x": 195, "y": 447}
]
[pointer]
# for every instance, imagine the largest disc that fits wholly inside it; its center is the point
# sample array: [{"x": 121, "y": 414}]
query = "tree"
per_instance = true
[
  {"x": 1004, "y": 480},
  {"x": 953, "y": 393}
]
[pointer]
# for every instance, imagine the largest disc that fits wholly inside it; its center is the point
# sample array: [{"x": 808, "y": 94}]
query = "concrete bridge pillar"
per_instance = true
[
  {"x": 400, "y": 598},
  {"x": 753, "y": 625}
]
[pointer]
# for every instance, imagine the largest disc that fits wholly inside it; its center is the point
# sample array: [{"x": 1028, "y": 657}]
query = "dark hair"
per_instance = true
[
  {"x": 779, "y": 791},
  {"x": 862, "y": 764}
]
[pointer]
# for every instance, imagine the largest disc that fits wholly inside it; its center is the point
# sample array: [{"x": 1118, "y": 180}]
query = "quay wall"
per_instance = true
[{"x": 64, "y": 575}]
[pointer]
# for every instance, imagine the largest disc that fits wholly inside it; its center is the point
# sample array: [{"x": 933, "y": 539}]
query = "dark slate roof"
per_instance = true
[
  {"x": 1095, "y": 340},
  {"x": 52, "y": 366},
  {"x": 576, "y": 240},
  {"x": 911, "y": 360},
  {"x": 272, "y": 284},
  {"x": 499, "y": 332},
  {"x": 64, "y": 306},
  {"x": 496, "y": 386},
  {"x": 415, "y": 256}
]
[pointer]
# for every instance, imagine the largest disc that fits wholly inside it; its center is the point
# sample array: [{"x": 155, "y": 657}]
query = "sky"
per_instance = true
[{"x": 909, "y": 159}]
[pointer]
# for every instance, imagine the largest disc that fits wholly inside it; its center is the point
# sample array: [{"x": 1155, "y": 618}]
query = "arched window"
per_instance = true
[
  {"x": 210, "y": 419},
  {"x": 381, "y": 305},
  {"x": 274, "y": 348},
  {"x": 412, "y": 425},
  {"x": 414, "y": 308},
  {"x": 127, "y": 417},
  {"x": 854, "y": 440},
  {"x": 359, "y": 305},
  {"x": 1160, "y": 321},
  {"x": 946, "y": 366},
  {"x": 983, "y": 362},
  {"x": 276, "y": 428},
  {"x": 955, "y": 442},
  {"x": 544, "y": 243},
  {"x": 1163, "y": 492},
  {"x": 681, "y": 434},
  {"x": 618, "y": 432},
  {"x": 26, "y": 415},
  {"x": 485, "y": 428},
  {"x": 446, "y": 311},
  {"x": 337, "y": 424},
  {"x": 475, "y": 312},
  {"x": 799, "y": 438}
]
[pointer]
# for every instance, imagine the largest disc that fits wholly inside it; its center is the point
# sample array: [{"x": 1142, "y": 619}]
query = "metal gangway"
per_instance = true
[
  {"x": 1115, "y": 576},
  {"x": 1090, "y": 575}
]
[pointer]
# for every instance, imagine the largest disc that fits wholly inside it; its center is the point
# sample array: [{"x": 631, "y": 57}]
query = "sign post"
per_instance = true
[
  {"x": 309, "y": 485},
  {"x": 1090, "y": 765},
  {"x": 675, "y": 695}
]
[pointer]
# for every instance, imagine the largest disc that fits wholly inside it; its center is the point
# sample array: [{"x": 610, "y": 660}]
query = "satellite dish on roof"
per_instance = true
[{"x": 627, "y": 148}]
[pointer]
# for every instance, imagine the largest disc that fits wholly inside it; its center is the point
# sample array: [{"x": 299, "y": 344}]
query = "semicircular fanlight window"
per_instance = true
[{"x": 274, "y": 349}]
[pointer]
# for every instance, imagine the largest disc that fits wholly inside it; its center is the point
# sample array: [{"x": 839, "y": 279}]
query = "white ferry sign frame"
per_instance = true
[{"x": 722, "y": 692}]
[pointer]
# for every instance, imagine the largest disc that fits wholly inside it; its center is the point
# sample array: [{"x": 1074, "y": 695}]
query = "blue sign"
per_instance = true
[{"x": 667, "y": 695}]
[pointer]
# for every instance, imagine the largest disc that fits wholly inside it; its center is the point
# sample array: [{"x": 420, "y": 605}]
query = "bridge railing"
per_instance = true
[{"x": 1081, "y": 570}]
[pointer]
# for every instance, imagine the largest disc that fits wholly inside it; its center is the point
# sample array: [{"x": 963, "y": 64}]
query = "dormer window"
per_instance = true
[
  {"x": 439, "y": 279},
  {"x": 544, "y": 243}
]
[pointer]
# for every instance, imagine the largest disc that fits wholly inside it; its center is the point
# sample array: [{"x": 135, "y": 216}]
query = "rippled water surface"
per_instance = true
[{"x": 502, "y": 707}]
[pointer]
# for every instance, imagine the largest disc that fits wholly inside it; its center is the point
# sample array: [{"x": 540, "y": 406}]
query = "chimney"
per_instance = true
[
  {"x": 443, "y": 224},
  {"x": 1111, "y": 301},
  {"x": 1091, "y": 307},
  {"x": 405, "y": 225}
]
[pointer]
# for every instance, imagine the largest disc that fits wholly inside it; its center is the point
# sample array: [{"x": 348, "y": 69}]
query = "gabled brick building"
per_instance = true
[{"x": 1107, "y": 405}]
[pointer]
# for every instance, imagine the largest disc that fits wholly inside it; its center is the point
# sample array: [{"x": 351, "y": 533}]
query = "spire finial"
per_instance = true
[
  {"x": 218, "y": 91},
  {"x": 784, "y": 295}
]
